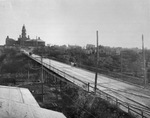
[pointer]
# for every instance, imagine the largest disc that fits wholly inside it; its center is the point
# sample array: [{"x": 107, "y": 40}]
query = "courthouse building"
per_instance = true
[{"x": 23, "y": 40}]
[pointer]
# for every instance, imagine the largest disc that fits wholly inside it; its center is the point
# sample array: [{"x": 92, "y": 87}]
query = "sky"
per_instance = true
[{"x": 120, "y": 23}]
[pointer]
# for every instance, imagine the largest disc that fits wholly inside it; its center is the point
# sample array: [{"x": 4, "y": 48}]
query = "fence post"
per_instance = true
[
  {"x": 142, "y": 114},
  {"x": 100, "y": 94},
  {"x": 128, "y": 109},
  {"x": 64, "y": 74},
  {"x": 116, "y": 102},
  {"x": 88, "y": 86},
  {"x": 106, "y": 97}
]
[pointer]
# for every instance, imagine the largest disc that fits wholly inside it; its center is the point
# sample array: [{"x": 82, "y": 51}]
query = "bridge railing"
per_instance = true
[{"x": 139, "y": 109}]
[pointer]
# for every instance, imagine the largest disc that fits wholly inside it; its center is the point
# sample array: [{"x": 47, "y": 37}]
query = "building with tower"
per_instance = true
[{"x": 23, "y": 40}]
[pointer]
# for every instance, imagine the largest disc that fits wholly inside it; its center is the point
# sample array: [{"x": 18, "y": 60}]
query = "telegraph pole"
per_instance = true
[
  {"x": 97, "y": 52},
  {"x": 121, "y": 61},
  {"x": 144, "y": 61}
]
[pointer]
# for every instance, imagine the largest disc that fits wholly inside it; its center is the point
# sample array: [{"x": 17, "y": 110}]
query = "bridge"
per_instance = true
[{"x": 128, "y": 97}]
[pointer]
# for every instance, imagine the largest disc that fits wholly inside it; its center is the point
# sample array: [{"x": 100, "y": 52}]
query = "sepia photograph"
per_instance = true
[{"x": 74, "y": 58}]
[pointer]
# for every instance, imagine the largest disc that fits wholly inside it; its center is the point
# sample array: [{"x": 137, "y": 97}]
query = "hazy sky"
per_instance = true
[{"x": 119, "y": 22}]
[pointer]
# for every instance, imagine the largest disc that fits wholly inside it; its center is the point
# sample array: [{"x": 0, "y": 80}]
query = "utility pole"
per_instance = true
[
  {"x": 49, "y": 60},
  {"x": 97, "y": 52},
  {"x": 42, "y": 77},
  {"x": 144, "y": 61},
  {"x": 121, "y": 62}
]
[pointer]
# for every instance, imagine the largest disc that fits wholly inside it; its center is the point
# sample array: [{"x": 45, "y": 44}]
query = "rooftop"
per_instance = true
[{"x": 18, "y": 102}]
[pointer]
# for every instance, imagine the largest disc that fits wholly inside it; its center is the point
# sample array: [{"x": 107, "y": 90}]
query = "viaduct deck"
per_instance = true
[{"x": 129, "y": 97}]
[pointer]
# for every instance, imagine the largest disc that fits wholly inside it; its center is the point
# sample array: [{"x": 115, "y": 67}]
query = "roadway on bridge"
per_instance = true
[{"x": 118, "y": 89}]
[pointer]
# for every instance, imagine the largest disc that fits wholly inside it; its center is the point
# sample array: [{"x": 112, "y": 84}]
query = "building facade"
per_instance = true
[{"x": 23, "y": 40}]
